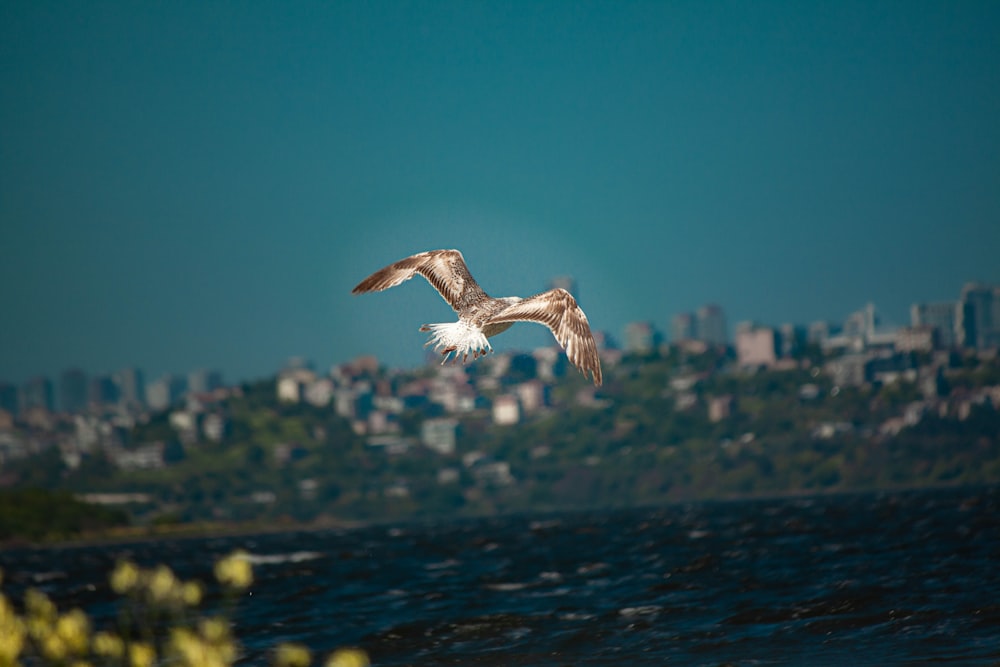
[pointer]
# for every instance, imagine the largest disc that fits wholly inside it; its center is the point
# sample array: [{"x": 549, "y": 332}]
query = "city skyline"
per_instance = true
[
  {"x": 201, "y": 186},
  {"x": 707, "y": 323}
]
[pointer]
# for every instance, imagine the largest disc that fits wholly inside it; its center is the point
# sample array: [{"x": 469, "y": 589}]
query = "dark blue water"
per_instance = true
[{"x": 880, "y": 579}]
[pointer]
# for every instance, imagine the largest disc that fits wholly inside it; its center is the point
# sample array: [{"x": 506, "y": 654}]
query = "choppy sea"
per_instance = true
[{"x": 907, "y": 578}]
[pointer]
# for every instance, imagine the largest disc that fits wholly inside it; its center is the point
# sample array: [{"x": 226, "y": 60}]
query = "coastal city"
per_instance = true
[{"x": 450, "y": 410}]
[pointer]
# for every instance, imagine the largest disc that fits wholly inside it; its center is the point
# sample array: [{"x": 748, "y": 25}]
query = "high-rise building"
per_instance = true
[
  {"x": 682, "y": 327},
  {"x": 640, "y": 338},
  {"x": 792, "y": 338},
  {"x": 821, "y": 330},
  {"x": 73, "y": 390},
  {"x": 162, "y": 393},
  {"x": 131, "y": 387},
  {"x": 978, "y": 316},
  {"x": 939, "y": 315},
  {"x": 36, "y": 393},
  {"x": 202, "y": 381},
  {"x": 102, "y": 391},
  {"x": 756, "y": 345},
  {"x": 861, "y": 324},
  {"x": 711, "y": 324}
]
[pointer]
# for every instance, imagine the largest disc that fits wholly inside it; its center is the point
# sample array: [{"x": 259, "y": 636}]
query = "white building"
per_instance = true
[
  {"x": 292, "y": 384},
  {"x": 756, "y": 346},
  {"x": 506, "y": 410},
  {"x": 319, "y": 392},
  {"x": 440, "y": 435},
  {"x": 215, "y": 427},
  {"x": 533, "y": 394}
]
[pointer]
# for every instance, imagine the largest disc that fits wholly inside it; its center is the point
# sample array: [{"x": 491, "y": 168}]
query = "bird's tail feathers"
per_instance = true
[{"x": 457, "y": 338}]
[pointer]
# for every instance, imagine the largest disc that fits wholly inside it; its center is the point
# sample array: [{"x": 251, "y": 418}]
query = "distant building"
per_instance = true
[
  {"x": 439, "y": 435},
  {"x": 292, "y": 383},
  {"x": 551, "y": 363},
  {"x": 756, "y": 346},
  {"x": 363, "y": 365},
  {"x": 939, "y": 315},
  {"x": 343, "y": 403},
  {"x": 820, "y": 331},
  {"x": 861, "y": 324},
  {"x": 380, "y": 422},
  {"x": 91, "y": 432},
  {"x": 320, "y": 392},
  {"x": 203, "y": 381},
  {"x": 533, "y": 395},
  {"x": 850, "y": 370},
  {"x": 289, "y": 389},
  {"x": 978, "y": 315},
  {"x": 131, "y": 387},
  {"x": 298, "y": 363},
  {"x": 720, "y": 408},
  {"x": 711, "y": 324},
  {"x": 143, "y": 457},
  {"x": 682, "y": 327},
  {"x": 215, "y": 427},
  {"x": 36, "y": 393},
  {"x": 640, "y": 338},
  {"x": 920, "y": 338},
  {"x": 161, "y": 393},
  {"x": 506, "y": 410},
  {"x": 791, "y": 339},
  {"x": 493, "y": 473},
  {"x": 102, "y": 391},
  {"x": 73, "y": 390}
]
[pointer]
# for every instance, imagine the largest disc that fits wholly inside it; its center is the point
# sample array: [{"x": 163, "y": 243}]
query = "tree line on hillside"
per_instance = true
[{"x": 639, "y": 446}]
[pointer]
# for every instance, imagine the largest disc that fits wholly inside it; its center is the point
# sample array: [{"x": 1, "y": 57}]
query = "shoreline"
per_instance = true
[{"x": 204, "y": 529}]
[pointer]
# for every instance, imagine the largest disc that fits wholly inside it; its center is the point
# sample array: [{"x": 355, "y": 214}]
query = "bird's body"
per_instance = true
[{"x": 481, "y": 316}]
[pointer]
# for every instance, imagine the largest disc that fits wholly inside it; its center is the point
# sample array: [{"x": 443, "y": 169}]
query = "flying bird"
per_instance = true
[{"x": 481, "y": 316}]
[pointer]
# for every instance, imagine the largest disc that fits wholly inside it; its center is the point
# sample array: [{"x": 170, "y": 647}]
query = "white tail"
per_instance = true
[{"x": 457, "y": 337}]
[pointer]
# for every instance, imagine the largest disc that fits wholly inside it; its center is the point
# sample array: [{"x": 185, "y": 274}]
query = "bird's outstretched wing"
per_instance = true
[
  {"x": 558, "y": 310},
  {"x": 444, "y": 269}
]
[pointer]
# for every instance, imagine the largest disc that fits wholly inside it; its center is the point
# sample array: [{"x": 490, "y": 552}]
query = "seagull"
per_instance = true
[{"x": 481, "y": 316}]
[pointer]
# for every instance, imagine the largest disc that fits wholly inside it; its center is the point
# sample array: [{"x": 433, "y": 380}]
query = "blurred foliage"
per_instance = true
[
  {"x": 159, "y": 622},
  {"x": 38, "y": 514}
]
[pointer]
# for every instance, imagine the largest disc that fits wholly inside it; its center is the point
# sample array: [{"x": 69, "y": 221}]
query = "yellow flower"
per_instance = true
[
  {"x": 11, "y": 633},
  {"x": 215, "y": 629},
  {"x": 108, "y": 645},
  {"x": 125, "y": 577},
  {"x": 202, "y": 650},
  {"x": 141, "y": 654},
  {"x": 73, "y": 628},
  {"x": 186, "y": 646},
  {"x": 235, "y": 571},
  {"x": 348, "y": 657},
  {"x": 163, "y": 585},
  {"x": 38, "y": 605},
  {"x": 191, "y": 593},
  {"x": 53, "y": 647},
  {"x": 292, "y": 655}
]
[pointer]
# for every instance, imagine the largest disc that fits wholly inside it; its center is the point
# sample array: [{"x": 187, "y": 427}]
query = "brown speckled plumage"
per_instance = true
[{"x": 482, "y": 316}]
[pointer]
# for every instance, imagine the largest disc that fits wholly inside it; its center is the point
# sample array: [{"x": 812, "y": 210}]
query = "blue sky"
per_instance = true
[{"x": 201, "y": 184}]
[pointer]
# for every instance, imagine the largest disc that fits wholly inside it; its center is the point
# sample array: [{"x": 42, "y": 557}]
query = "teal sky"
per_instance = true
[{"x": 201, "y": 184}]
